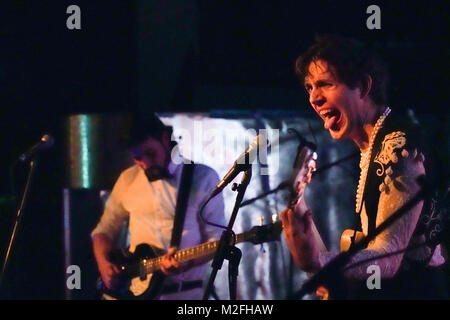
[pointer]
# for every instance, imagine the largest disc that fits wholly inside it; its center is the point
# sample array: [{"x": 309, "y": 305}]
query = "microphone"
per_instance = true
[
  {"x": 241, "y": 164},
  {"x": 45, "y": 143}
]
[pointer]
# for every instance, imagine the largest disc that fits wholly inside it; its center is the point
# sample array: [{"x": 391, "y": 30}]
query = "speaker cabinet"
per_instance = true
[{"x": 82, "y": 211}]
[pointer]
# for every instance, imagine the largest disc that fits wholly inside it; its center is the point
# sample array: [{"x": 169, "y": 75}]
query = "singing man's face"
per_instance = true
[
  {"x": 153, "y": 156},
  {"x": 339, "y": 106}
]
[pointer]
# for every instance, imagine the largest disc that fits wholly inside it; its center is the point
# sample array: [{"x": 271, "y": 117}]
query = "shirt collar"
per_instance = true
[{"x": 176, "y": 160}]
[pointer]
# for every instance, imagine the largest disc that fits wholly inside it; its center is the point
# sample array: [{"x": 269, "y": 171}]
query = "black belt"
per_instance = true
[{"x": 181, "y": 286}]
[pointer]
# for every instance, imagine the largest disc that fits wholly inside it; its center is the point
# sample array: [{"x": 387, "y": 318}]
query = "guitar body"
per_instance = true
[
  {"x": 148, "y": 286},
  {"x": 346, "y": 239}
]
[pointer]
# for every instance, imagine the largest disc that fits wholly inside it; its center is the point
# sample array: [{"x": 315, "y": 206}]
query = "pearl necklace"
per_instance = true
[{"x": 365, "y": 158}]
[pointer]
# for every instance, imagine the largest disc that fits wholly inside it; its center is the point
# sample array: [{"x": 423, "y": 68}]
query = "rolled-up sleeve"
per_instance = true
[{"x": 114, "y": 215}]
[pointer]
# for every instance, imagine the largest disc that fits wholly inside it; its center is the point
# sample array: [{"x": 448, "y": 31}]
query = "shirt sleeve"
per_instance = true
[
  {"x": 399, "y": 187},
  {"x": 114, "y": 215}
]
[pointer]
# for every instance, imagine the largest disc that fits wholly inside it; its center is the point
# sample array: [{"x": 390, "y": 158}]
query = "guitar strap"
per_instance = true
[{"x": 184, "y": 190}]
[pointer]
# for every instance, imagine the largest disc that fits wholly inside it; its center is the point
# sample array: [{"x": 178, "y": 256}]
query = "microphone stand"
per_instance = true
[
  {"x": 226, "y": 248},
  {"x": 23, "y": 201},
  {"x": 329, "y": 275}
]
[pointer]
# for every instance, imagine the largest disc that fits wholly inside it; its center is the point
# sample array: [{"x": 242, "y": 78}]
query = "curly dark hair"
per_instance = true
[{"x": 351, "y": 61}]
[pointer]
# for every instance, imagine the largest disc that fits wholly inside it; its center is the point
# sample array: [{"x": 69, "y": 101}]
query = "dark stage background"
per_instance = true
[{"x": 227, "y": 58}]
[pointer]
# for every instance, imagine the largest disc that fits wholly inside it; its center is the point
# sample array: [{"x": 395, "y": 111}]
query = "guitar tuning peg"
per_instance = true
[{"x": 260, "y": 220}]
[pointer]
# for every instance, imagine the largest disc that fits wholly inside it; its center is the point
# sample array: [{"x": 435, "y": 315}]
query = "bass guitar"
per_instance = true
[{"x": 144, "y": 263}]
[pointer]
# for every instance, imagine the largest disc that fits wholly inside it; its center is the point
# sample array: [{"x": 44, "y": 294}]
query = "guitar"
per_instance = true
[
  {"x": 145, "y": 262},
  {"x": 346, "y": 241},
  {"x": 303, "y": 169},
  {"x": 346, "y": 238}
]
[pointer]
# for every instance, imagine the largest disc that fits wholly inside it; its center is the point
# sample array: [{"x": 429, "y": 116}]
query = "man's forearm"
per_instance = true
[{"x": 102, "y": 246}]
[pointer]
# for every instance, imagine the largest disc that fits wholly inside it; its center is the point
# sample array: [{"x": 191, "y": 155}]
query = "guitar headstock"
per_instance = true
[
  {"x": 304, "y": 166},
  {"x": 265, "y": 233}
]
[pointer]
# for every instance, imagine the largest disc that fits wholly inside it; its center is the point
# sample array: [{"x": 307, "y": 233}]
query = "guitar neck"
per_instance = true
[{"x": 201, "y": 250}]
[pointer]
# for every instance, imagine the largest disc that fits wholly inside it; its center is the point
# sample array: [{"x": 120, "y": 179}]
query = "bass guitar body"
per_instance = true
[{"x": 147, "y": 286}]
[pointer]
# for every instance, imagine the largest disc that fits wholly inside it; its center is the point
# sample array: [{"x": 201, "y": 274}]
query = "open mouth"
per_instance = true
[{"x": 332, "y": 118}]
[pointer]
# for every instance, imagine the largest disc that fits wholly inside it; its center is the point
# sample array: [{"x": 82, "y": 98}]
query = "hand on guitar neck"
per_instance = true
[
  {"x": 300, "y": 231},
  {"x": 170, "y": 266}
]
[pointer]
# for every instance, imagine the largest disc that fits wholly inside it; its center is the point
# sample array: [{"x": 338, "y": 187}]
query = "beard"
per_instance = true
[{"x": 156, "y": 173}]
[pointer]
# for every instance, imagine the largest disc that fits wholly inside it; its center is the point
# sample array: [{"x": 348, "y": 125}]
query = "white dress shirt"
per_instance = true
[{"x": 150, "y": 208}]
